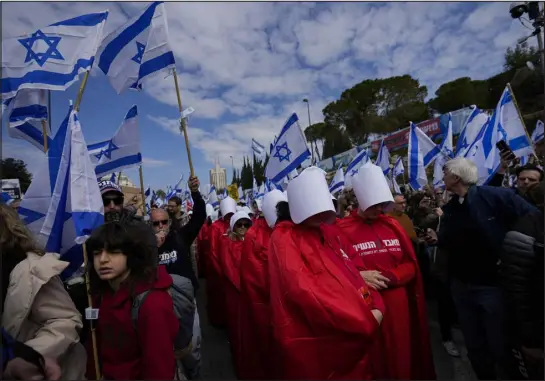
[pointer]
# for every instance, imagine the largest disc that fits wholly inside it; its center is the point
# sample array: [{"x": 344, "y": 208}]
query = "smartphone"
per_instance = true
[
  {"x": 505, "y": 151},
  {"x": 420, "y": 233}
]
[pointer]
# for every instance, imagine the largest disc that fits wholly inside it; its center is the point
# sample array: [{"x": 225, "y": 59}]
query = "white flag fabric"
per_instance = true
[
  {"x": 398, "y": 169},
  {"x": 52, "y": 57},
  {"x": 25, "y": 113},
  {"x": 63, "y": 203},
  {"x": 383, "y": 158},
  {"x": 137, "y": 50},
  {"x": 353, "y": 167},
  {"x": 473, "y": 125},
  {"x": 445, "y": 153},
  {"x": 121, "y": 151},
  {"x": 258, "y": 149},
  {"x": 422, "y": 151},
  {"x": 213, "y": 197},
  {"x": 477, "y": 154},
  {"x": 538, "y": 134},
  {"x": 337, "y": 184},
  {"x": 289, "y": 151}
]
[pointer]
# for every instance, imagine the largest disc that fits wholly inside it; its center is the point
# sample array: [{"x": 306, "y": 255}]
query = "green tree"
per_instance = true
[
  {"x": 16, "y": 169},
  {"x": 461, "y": 92},
  {"x": 377, "y": 105},
  {"x": 518, "y": 57},
  {"x": 161, "y": 194},
  {"x": 258, "y": 170},
  {"x": 246, "y": 174}
]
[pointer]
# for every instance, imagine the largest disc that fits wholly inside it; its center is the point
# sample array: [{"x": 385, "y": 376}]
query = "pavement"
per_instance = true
[{"x": 217, "y": 364}]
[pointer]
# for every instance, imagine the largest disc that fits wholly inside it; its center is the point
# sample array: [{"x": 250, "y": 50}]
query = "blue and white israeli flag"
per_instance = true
[
  {"x": 121, "y": 151},
  {"x": 137, "y": 50},
  {"x": 52, "y": 57},
  {"x": 290, "y": 151}
]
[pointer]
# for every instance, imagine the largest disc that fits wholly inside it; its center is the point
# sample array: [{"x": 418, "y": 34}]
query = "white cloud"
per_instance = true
[
  {"x": 245, "y": 67},
  {"x": 154, "y": 163}
]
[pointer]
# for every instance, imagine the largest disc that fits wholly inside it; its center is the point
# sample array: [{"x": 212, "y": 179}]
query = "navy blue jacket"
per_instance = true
[
  {"x": 7, "y": 349},
  {"x": 495, "y": 209}
]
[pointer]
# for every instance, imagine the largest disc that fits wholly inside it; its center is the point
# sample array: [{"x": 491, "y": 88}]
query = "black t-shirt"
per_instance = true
[{"x": 174, "y": 254}]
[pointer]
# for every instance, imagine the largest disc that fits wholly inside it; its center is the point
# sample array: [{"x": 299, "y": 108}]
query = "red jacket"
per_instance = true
[
  {"x": 214, "y": 275},
  {"x": 255, "y": 301},
  {"x": 203, "y": 248},
  {"x": 322, "y": 322},
  {"x": 146, "y": 353}
]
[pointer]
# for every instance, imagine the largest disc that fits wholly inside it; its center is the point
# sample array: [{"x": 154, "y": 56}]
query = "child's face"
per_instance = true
[{"x": 110, "y": 265}]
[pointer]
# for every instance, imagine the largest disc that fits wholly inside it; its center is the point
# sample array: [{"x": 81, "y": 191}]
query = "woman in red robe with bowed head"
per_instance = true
[
  {"x": 254, "y": 283},
  {"x": 214, "y": 279},
  {"x": 230, "y": 252},
  {"x": 203, "y": 242},
  {"x": 324, "y": 318},
  {"x": 402, "y": 350}
]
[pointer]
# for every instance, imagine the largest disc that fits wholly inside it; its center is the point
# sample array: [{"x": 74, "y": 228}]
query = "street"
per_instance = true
[{"x": 216, "y": 356}]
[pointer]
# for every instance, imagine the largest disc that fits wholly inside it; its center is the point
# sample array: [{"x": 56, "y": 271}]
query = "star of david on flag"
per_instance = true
[
  {"x": 137, "y": 50},
  {"x": 121, "y": 151},
  {"x": 290, "y": 151},
  {"x": 53, "y": 57},
  {"x": 283, "y": 152}
]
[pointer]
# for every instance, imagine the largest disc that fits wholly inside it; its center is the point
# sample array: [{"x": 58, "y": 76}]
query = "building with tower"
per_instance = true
[{"x": 218, "y": 176}]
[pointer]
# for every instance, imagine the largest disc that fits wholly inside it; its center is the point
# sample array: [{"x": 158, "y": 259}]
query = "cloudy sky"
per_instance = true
[{"x": 245, "y": 67}]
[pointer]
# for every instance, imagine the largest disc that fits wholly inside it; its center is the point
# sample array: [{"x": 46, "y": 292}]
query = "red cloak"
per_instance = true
[
  {"x": 203, "y": 247},
  {"x": 322, "y": 325},
  {"x": 255, "y": 311},
  {"x": 214, "y": 279},
  {"x": 230, "y": 253},
  {"x": 398, "y": 353}
]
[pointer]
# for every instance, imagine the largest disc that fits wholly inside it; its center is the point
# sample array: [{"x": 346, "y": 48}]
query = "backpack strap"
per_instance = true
[{"x": 135, "y": 309}]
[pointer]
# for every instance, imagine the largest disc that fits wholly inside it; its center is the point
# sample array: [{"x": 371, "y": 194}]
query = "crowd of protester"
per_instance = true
[{"x": 306, "y": 285}]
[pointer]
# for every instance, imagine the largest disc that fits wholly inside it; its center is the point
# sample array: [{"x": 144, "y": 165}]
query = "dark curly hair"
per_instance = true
[
  {"x": 127, "y": 239},
  {"x": 283, "y": 211}
]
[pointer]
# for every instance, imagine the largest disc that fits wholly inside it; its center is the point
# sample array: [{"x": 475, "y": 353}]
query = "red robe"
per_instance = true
[
  {"x": 203, "y": 248},
  {"x": 321, "y": 320},
  {"x": 229, "y": 257},
  {"x": 399, "y": 353},
  {"x": 255, "y": 312},
  {"x": 214, "y": 280}
]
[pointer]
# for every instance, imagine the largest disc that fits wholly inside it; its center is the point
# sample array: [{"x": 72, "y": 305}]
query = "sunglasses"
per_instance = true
[
  {"x": 157, "y": 223},
  {"x": 116, "y": 200},
  {"x": 243, "y": 225}
]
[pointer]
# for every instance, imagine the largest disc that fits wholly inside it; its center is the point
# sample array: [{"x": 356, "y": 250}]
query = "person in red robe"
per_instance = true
[
  {"x": 324, "y": 317},
  {"x": 231, "y": 245},
  {"x": 402, "y": 350},
  {"x": 214, "y": 280},
  {"x": 254, "y": 290},
  {"x": 203, "y": 243}
]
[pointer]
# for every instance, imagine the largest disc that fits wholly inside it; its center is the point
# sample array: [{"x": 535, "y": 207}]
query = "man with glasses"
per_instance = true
[
  {"x": 398, "y": 213},
  {"x": 174, "y": 245}
]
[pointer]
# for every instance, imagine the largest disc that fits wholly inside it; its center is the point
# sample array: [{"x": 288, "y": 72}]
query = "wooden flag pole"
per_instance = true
[
  {"x": 142, "y": 190},
  {"x": 520, "y": 115},
  {"x": 183, "y": 124},
  {"x": 85, "y": 256}
]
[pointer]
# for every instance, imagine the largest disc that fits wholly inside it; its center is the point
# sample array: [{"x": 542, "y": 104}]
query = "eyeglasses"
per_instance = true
[
  {"x": 116, "y": 201},
  {"x": 243, "y": 225},
  {"x": 158, "y": 223}
]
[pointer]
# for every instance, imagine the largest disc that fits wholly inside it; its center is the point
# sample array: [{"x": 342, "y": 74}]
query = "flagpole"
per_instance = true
[
  {"x": 85, "y": 256},
  {"x": 81, "y": 90},
  {"x": 183, "y": 124},
  {"x": 44, "y": 132},
  {"x": 142, "y": 190}
]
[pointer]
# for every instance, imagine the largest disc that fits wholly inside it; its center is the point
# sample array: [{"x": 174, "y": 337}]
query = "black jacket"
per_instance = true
[
  {"x": 521, "y": 274},
  {"x": 175, "y": 252}
]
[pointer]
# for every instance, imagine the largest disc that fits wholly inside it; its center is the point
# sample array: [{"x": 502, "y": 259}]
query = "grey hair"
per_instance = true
[{"x": 465, "y": 169}]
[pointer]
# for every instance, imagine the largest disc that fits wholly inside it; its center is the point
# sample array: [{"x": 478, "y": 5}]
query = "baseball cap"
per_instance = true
[{"x": 106, "y": 186}]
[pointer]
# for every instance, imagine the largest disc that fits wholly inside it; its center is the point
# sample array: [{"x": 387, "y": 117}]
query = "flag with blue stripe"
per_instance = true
[
  {"x": 538, "y": 134},
  {"x": 63, "y": 203},
  {"x": 137, "y": 50},
  {"x": 259, "y": 149},
  {"x": 213, "y": 197},
  {"x": 289, "y": 152},
  {"x": 383, "y": 158},
  {"x": 337, "y": 184},
  {"x": 121, "y": 151},
  {"x": 445, "y": 153},
  {"x": 147, "y": 192},
  {"x": 353, "y": 167},
  {"x": 52, "y": 57},
  {"x": 473, "y": 125},
  {"x": 398, "y": 169},
  {"x": 422, "y": 151},
  {"x": 26, "y": 111}
]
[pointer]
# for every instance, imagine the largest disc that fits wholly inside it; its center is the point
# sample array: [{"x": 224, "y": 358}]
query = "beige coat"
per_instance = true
[{"x": 39, "y": 312}]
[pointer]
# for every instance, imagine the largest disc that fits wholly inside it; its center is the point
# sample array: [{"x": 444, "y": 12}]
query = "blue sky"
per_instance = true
[{"x": 245, "y": 67}]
